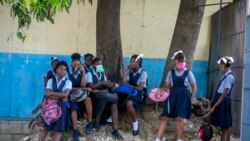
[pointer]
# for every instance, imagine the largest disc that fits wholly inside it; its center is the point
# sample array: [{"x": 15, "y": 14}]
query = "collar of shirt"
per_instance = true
[
  {"x": 96, "y": 74},
  {"x": 75, "y": 76},
  {"x": 87, "y": 68},
  {"x": 225, "y": 74},
  {"x": 58, "y": 83},
  {"x": 138, "y": 71}
]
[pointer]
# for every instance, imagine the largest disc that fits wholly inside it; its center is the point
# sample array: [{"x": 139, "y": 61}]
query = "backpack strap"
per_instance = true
[{"x": 223, "y": 80}]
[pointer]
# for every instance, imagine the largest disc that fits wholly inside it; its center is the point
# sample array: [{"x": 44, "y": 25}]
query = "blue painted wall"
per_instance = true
[{"x": 21, "y": 80}]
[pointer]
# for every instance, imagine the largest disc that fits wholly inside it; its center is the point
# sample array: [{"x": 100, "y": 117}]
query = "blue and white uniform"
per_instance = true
[
  {"x": 135, "y": 77},
  {"x": 222, "y": 116},
  {"x": 98, "y": 104},
  {"x": 179, "y": 102},
  {"x": 62, "y": 124},
  {"x": 76, "y": 83}
]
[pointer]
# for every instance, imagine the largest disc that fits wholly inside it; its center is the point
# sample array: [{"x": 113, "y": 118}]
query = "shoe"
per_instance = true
[
  {"x": 137, "y": 131},
  {"x": 88, "y": 128},
  {"x": 75, "y": 135},
  {"x": 117, "y": 135},
  {"x": 97, "y": 126}
]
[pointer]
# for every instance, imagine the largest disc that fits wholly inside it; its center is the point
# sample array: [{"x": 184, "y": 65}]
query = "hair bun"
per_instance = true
[{"x": 76, "y": 56}]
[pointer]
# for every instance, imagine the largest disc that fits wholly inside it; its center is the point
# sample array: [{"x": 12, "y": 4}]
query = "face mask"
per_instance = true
[
  {"x": 99, "y": 68},
  {"x": 181, "y": 66}
]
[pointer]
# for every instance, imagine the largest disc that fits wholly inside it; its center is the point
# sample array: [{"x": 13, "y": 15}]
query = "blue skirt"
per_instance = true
[
  {"x": 79, "y": 107},
  {"x": 63, "y": 123},
  {"x": 178, "y": 104},
  {"x": 139, "y": 100},
  {"x": 222, "y": 117}
]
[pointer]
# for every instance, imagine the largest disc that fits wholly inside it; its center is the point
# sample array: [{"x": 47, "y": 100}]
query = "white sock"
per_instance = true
[
  {"x": 109, "y": 119},
  {"x": 157, "y": 139},
  {"x": 179, "y": 140},
  {"x": 135, "y": 126}
]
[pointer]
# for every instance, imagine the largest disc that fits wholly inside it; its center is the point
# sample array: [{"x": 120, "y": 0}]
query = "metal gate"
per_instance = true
[{"x": 227, "y": 39}]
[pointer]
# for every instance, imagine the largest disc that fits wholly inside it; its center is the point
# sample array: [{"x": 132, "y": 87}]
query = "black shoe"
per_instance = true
[
  {"x": 88, "y": 128},
  {"x": 97, "y": 127},
  {"x": 75, "y": 135},
  {"x": 135, "y": 133},
  {"x": 117, "y": 135}
]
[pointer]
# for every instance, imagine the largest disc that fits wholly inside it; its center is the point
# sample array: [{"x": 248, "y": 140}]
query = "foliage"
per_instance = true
[{"x": 40, "y": 10}]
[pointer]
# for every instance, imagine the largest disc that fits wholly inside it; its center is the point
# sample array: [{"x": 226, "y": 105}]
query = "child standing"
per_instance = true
[
  {"x": 58, "y": 88},
  {"x": 79, "y": 80},
  {"x": 178, "y": 105},
  {"x": 136, "y": 78},
  {"x": 221, "y": 104}
]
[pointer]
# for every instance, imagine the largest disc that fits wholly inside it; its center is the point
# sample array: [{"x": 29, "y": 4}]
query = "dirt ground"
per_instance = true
[{"x": 149, "y": 122}]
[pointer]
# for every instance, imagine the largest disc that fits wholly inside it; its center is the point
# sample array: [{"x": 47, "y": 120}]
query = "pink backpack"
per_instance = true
[
  {"x": 50, "y": 111},
  {"x": 157, "y": 96}
]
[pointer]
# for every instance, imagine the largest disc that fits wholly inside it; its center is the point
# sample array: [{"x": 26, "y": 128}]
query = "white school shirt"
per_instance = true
[
  {"x": 88, "y": 76},
  {"x": 227, "y": 83},
  {"x": 189, "y": 80},
  {"x": 68, "y": 84},
  {"x": 142, "y": 79}
]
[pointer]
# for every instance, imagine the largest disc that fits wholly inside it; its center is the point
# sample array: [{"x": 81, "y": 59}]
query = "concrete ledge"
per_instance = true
[{"x": 13, "y": 130}]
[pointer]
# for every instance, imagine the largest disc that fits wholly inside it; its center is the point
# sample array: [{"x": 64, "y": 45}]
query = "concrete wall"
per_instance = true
[
  {"x": 13, "y": 130},
  {"x": 146, "y": 27}
]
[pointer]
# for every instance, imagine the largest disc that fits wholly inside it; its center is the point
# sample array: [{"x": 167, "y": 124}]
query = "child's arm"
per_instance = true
[
  {"x": 140, "y": 87},
  {"x": 124, "y": 77},
  {"x": 83, "y": 80},
  {"x": 222, "y": 97},
  {"x": 58, "y": 95},
  {"x": 193, "y": 89}
]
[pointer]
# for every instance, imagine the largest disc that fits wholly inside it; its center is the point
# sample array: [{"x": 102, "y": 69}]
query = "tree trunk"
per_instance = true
[
  {"x": 108, "y": 38},
  {"x": 186, "y": 32}
]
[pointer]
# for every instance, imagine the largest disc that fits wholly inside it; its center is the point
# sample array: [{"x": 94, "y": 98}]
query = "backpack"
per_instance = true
[{"x": 51, "y": 109}]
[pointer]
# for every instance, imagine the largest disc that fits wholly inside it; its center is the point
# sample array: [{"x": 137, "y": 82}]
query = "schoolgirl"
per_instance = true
[
  {"x": 181, "y": 83},
  {"x": 103, "y": 98},
  {"x": 135, "y": 77},
  {"x": 221, "y": 103},
  {"x": 79, "y": 80},
  {"x": 58, "y": 88}
]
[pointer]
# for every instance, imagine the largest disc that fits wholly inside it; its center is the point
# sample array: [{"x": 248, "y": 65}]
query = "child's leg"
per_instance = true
[
  {"x": 163, "y": 124},
  {"x": 180, "y": 127},
  {"x": 114, "y": 115},
  {"x": 57, "y": 136},
  {"x": 225, "y": 136},
  {"x": 131, "y": 110},
  {"x": 74, "y": 119},
  {"x": 89, "y": 108},
  {"x": 43, "y": 134}
]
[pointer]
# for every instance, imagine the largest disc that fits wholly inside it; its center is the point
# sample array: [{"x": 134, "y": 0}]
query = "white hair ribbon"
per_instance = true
[
  {"x": 173, "y": 57},
  {"x": 138, "y": 57},
  {"x": 226, "y": 60}
]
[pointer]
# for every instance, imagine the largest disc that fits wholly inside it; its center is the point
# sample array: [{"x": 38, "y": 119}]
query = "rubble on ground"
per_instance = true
[{"x": 148, "y": 129}]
